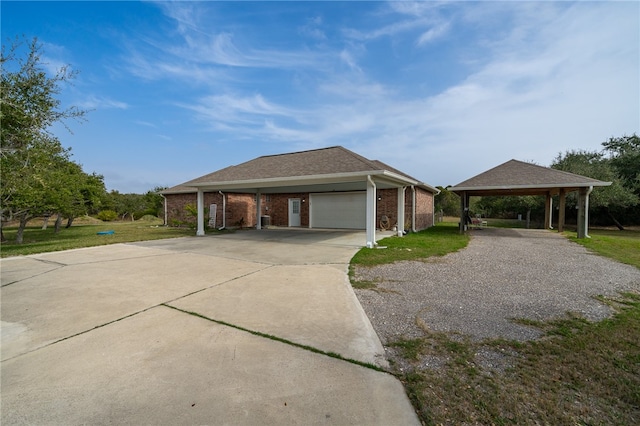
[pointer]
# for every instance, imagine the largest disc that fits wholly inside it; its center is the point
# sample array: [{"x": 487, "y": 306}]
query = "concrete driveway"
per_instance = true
[{"x": 225, "y": 329}]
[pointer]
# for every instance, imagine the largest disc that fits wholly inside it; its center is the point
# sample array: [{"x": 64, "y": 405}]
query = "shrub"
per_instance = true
[{"x": 107, "y": 215}]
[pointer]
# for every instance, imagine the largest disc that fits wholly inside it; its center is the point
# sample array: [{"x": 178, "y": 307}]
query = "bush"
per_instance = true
[{"x": 107, "y": 215}]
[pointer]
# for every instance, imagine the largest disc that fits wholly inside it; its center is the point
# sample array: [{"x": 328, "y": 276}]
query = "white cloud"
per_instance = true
[
  {"x": 101, "y": 102},
  {"x": 433, "y": 34}
]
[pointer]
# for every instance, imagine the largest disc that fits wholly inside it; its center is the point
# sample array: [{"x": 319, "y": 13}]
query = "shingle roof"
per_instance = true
[
  {"x": 305, "y": 163},
  {"x": 516, "y": 174},
  {"x": 317, "y": 162}
]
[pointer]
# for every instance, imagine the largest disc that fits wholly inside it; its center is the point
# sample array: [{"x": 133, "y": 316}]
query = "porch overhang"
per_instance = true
[{"x": 368, "y": 181}]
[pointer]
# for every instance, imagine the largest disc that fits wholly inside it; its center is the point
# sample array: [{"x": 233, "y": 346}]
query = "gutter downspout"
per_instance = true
[
  {"x": 224, "y": 211},
  {"x": 586, "y": 213},
  {"x": 413, "y": 208}
]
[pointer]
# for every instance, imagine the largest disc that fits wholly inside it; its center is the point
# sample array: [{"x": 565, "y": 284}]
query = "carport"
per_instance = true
[
  {"x": 367, "y": 182},
  {"x": 517, "y": 178}
]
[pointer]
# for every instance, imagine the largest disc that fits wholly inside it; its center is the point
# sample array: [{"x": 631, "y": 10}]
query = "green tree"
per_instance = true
[
  {"x": 32, "y": 159},
  {"x": 448, "y": 202},
  {"x": 155, "y": 201},
  {"x": 595, "y": 165},
  {"x": 127, "y": 204},
  {"x": 624, "y": 156}
]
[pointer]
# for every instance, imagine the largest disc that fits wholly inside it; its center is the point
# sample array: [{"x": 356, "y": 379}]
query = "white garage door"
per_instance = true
[{"x": 347, "y": 210}]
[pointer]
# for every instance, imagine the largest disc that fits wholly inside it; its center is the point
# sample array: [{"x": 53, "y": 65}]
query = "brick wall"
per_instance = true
[
  {"x": 277, "y": 207},
  {"x": 388, "y": 202},
  {"x": 239, "y": 206},
  {"x": 243, "y": 206},
  {"x": 424, "y": 209}
]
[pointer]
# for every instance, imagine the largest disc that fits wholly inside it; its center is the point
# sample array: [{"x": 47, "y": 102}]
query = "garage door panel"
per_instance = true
[{"x": 339, "y": 210}]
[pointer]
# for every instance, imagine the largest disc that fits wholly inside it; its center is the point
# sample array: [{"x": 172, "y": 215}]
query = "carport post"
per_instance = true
[
  {"x": 464, "y": 205},
  {"x": 561, "y": 209},
  {"x": 200, "y": 207},
  {"x": 371, "y": 212},
  {"x": 400, "y": 229},
  {"x": 583, "y": 212},
  {"x": 548, "y": 211}
]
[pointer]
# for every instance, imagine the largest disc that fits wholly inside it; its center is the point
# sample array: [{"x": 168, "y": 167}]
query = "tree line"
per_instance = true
[
  {"x": 39, "y": 177},
  {"x": 617, "y": 162}
]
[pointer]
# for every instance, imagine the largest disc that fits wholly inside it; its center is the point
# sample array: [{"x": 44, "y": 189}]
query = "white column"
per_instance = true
[
  {"x": 258, "y": 209},
  {"x": 371, "y": 212},
  {"x": 401, "y": 211},
  {"x": 200, "y": 207},
  {"x": 586, "y": 212}
]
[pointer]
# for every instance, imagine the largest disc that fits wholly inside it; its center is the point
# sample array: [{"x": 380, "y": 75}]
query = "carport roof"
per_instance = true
[
  {"x": 519, "y": 178},
  {"x": 326, "y": 166}
]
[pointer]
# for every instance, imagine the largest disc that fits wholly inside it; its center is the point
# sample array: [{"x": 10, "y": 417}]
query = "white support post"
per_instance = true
[
  {"x": 400, "y": 229},
  {"x": 200, "y": 207},
  {"x": 548, "y": 212},
  {"x": 583, "y": 212},
  {"x": 586, "y": 212},
  {"x": 371, "y": 213},
  {"x": 258, "y": 210}
]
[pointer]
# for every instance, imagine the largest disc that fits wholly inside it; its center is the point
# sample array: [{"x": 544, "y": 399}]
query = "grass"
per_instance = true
[
  {"x": 579, "y": 373},
  {"x": 623, "y": 246},
  {"x": 37, "y": 240},
  {"x": 435, "y": 241}
]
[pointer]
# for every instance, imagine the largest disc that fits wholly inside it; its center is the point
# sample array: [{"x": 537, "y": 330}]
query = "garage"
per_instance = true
[{"x": 343, "y": 210}]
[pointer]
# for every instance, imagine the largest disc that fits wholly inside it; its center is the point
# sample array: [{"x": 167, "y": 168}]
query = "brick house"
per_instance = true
[{"x": 323, "y": 188}]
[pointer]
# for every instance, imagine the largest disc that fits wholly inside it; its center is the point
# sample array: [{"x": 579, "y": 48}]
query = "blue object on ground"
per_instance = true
[{"x": 106, "y": 232}]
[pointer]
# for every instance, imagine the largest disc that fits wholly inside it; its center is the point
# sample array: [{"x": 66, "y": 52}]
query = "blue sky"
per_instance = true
[{"x": 439, "y": 90}]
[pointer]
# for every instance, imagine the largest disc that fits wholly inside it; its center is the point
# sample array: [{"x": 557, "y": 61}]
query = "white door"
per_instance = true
[
  {"x": 294, "y": 211},
  {"x": 346, "y": 210}
]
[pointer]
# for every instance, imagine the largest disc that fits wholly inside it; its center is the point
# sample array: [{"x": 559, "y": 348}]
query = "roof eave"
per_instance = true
[
  {"x": 297, "y": 180},
  {"x": 519, "y": 187}
]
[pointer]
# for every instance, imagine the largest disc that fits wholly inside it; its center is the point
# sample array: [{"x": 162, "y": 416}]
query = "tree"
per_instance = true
[
  {"x": 448, "y": 202},
  {"x": 624, "y": 156},
  {"x": 155, "y": 201},
  {"x": 595, "y": 165},
  {"x": 33, "y": 161}
]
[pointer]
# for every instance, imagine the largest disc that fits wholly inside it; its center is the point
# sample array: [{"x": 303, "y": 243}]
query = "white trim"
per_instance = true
[
  {"x": 541, "y": 186},
  {"x": 307, "y": 180}
]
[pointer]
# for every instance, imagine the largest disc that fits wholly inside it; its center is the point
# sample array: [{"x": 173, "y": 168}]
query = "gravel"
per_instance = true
[{"x": 501, "y": 275}]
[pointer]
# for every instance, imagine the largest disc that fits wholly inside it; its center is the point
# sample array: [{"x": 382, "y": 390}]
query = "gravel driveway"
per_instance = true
[{"x": 501, "y": 275}]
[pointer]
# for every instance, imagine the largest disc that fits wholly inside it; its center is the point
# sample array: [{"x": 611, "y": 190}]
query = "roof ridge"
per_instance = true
[
  {"x": 358, "y": 157},
  {"x": 298, "y": 152}
]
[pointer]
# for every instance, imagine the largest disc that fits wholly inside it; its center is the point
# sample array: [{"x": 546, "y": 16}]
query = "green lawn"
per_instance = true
[
  {"x": 37, "y": 240},
  {"x": 623, "y": 246},
  {"x": 435, "y": 241}
]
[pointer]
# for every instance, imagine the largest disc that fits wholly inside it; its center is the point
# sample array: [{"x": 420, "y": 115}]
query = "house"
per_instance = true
[{"x": 322, "y": 188}]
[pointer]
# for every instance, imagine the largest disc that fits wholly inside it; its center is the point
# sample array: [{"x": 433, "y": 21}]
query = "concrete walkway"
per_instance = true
[{"x": 160, "y": 332}]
